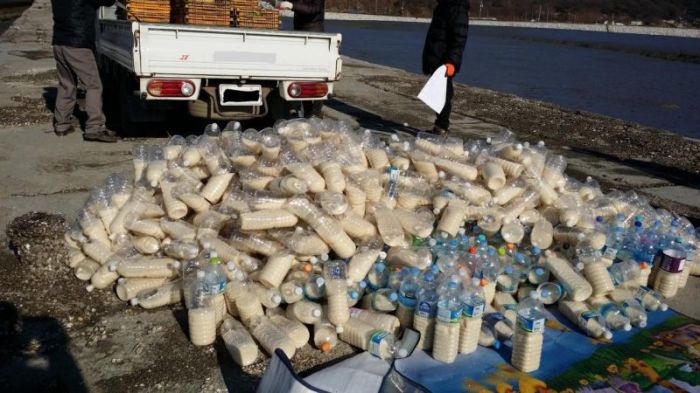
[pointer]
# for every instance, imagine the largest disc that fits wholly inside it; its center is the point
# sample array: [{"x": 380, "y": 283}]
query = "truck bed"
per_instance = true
[{"x": 170, "y": 50}]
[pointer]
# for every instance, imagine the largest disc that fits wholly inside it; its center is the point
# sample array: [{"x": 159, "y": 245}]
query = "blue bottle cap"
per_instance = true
[
  {"x": 415, "y": 271},
  {"x": 451, "y": 285},
  {"x": 481, "y": 238},
  {"x": 491, "y": 251},
  {"x": 539, "y": 271},
  {"x": 393, "y": 297},
  {"x": 354, "y": 295},
  {"x": 508, "y": 269},
  {"x": 380, "y": 267},
  {"x": 362, "y": 284},
  {"x": 599, "y": 219},
  {"x": 428, "y": 277},
  {"x": 536, "y": 250},
  {"x": 520, "y": 258}
]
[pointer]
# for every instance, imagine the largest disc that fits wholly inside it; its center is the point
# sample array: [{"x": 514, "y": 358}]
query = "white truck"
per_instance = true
[{"x": 152, "y": 71}]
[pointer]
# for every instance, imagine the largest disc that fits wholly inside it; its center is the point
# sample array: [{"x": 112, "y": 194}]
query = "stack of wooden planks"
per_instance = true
[
  {"x": 203, "y": 12},
  {"x": 247, "y": 13},
  {"x": 150, "y": 11}
]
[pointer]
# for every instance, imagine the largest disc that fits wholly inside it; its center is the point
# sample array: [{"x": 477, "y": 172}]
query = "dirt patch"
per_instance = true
[
  {"x": 583, "y": 131},
  {"x": 32, "y": 111}
]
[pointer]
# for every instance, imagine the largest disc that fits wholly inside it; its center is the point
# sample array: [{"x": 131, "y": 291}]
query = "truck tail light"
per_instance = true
[
  {"x": 307, "y": 89},
  {"x": 170, "y": 88}
]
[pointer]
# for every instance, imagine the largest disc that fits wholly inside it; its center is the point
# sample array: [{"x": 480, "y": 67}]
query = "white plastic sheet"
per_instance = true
[{"x": 435, "y": 90}]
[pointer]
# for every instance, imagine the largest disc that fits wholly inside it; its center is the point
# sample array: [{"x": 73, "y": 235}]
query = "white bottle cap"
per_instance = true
[
  {"x": 298, "y": 291},
  {"x": 276, "y": 299},
  {"x": 339, "y": 329},
  {"x": 324, "y": 257},
  {"x": 382, "y": 255},
  {"x": 316, "y": 313},
  {"x": 230, "y": 266},
  {"x": 402, "y": 353},
  {"x": 112, "y": 267},
  {"x": 608, "y": 335},
  {"x": 175, "y": 265},
  {"x": 627, "y": 327},
  {"x": 134, "y": 301},
  {"x": 121, "y": 280},
  {"x": 436, "y": 211},
  {"x": 313, "y": 260},
  {"x": 664, "y": 306},
  {"x": 90, "y": 288},
  {"x": 320, "y": 281},
  {"x": 643, "y": 324}
]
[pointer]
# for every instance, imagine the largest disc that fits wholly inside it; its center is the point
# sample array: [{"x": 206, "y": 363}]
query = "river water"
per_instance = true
[{"x": 654, "y": 81}]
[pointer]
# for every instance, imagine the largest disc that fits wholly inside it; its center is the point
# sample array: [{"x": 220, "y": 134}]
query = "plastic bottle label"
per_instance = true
[
  {"x": 585, "y": 316},
  {"x": 409, "y": 302},
  {"x": 393, "y": 188},
  {"x": 375, "y": 342},
  {"x": 447, "y": 315},
  {"x": 531, "y": 325},
  {"x": 473, "y": 311},
  {"x": 425, "y": 310}
]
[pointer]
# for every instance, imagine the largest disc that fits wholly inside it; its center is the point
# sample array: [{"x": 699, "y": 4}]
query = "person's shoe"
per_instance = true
[
  {"x": 65, "y": 132},
  {"x": 440, "y": 131},
  {"x": 111, "y": 132},
  {"x": 101, "y": 136}
]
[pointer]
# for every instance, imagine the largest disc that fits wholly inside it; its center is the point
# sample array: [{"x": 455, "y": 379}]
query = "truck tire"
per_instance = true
[{"x": 281, "y": 109}]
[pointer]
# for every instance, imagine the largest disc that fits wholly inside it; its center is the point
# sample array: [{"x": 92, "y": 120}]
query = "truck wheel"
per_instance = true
[{"x": 279, "y": 108}]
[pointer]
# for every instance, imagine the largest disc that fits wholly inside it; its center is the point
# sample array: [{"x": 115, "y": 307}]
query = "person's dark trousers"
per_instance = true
[
  {"x": 73, "y": 64},
  {"x": 443, "y": 118}
]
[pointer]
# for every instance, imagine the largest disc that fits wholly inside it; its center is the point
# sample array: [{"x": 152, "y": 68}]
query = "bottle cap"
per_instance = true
[
  {"x": 316, "y": 313},
  {"x": 325, "y": 346},
  {"x": 121, "y": 280},
  {"x": 608, "y": 335},
  {"x": 501, "y": 251},
  {"x": 298, "y": 291},
  {"x": 339, "y": 329},
  {"x": 627, "y": 327},
  {"x": 643, "y": 324},
  {"x": 134, "y": 301},
  {"x": 90, "y": 288},
  {"x": 483, "y": 282},
  {"x": 663, "y": 307},
  {"x": 276, "y": 299},
  {"x": 393, "y": 297},
  {"x": 320, "y": 281},
  {"x": 175, "y": 265},
  {"x": 382, "y": 255},
  {"x": 402, "y": 353}
]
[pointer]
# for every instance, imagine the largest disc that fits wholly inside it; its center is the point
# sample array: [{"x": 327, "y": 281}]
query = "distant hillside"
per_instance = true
[{"x": 647, "y": 12}]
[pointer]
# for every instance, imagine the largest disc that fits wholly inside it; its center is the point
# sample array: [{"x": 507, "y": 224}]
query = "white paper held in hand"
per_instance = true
[{"x": 435, "y": 90}]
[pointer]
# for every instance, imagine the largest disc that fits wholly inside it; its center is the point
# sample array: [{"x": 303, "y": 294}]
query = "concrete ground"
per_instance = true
[{"x": 91, "y": 342}]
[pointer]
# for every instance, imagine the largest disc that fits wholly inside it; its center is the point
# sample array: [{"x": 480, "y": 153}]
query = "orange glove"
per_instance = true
[{"x": 450, "y": 72}]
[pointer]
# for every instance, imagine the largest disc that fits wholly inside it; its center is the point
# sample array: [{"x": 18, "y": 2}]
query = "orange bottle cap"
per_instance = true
[
  {"x": 472, "y": 250},
  {"x": 307, "y": 268},
  {"x": 326, "y": 346},
  {"x": 483, "y": 282}
]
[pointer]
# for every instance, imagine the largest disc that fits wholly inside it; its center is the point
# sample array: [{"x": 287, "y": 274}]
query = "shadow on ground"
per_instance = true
[{"x": 34, "y": 355}]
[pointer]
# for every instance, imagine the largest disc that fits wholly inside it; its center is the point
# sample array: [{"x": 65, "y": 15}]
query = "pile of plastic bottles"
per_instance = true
[{"x": 314, "y": 232}]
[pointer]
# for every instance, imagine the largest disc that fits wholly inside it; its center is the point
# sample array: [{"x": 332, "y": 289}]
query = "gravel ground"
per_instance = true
[{"x": 63, "y": 338}]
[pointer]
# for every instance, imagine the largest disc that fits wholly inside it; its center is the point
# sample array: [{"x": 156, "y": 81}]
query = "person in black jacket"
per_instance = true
[
  {"x": 444, "y": 45},
  {"x": 308, "y": 16},
  {"x": 73, "y": 48}
]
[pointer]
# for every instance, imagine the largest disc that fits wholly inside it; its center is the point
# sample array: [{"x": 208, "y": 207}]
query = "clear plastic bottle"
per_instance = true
[
  {"x": 651, "y": 300},
  {"x": 426, "y": 310},
  {"x": 407, "y": 298},
  {"x": 315, "y": 287},
  {"x": 528, "y": 336},
  {"x": 625, "y": 271},
  {"x": 270, "y": 336},
  {"x": 238, "y": 341},
  {"x": 378, "y": 276},
  {"x": 384, "y": 300},
  {"x": 305, "y": 311},
  {"x": 377, "y": 342},
  {"x": 589, "y": 321},
  {"x": 447, "y": 326},
  {"x": 614, "y": 317},
  {"x": 472, "y": 298},
  {"x": 577, "y": 287},
  {"x": 215, "y": 275},
  {"x": 634, "y": 310},
  {"x": 380, "y": 321},
  {"x": 594, "y": 270},
  {"x": 296, "y": 331},
  {"x": 325, "y": 336},
  {"x": 291, "y": 292},
  {"x": 202, "y": 315}
]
